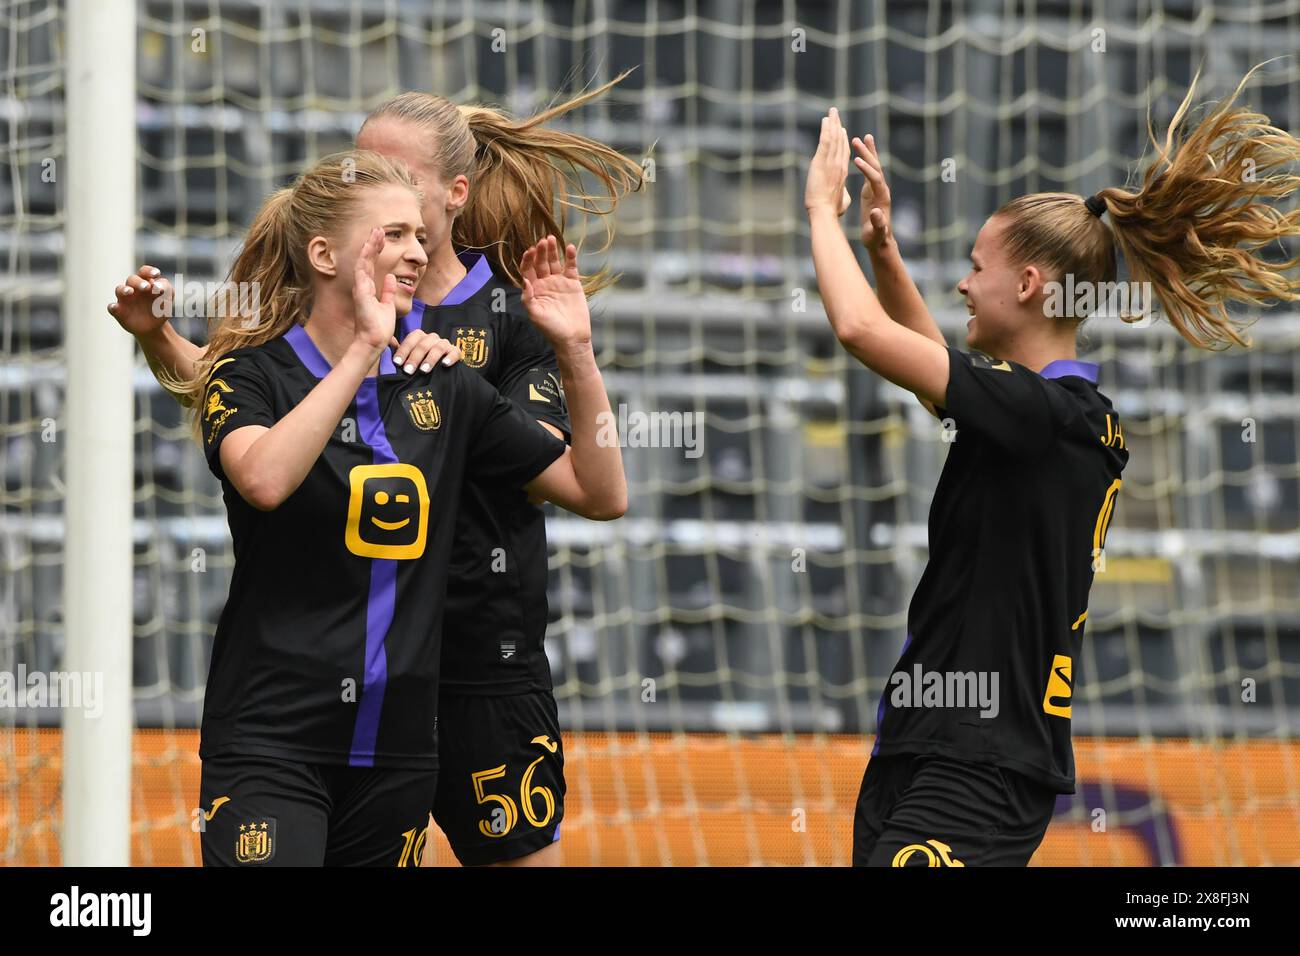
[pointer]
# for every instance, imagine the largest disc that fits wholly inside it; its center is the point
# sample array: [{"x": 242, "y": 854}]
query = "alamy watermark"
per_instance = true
[
  {"x": 84, "y": 690},
  {"x": 638, "y": 429},
  {"x": 948, "y": 689},
  {"x": 133, "y": 911},
  {"x": 193, "y": 299},
  {"x": 1130, "y": 301}
]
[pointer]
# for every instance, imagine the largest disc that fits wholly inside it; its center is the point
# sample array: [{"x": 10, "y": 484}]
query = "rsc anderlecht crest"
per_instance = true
[
  {"x": 473, "y": 346},
  {"x": 423, "y": 410},
  {"x": 256, "y": 841}
]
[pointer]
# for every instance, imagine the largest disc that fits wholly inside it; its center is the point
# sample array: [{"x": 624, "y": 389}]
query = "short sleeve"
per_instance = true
[
  {"x": 238, "y": 393},
  {"x": 1010, "y": 405},
  {"x": 508, "y": 447},
  {"x": 531, "y": 375}
]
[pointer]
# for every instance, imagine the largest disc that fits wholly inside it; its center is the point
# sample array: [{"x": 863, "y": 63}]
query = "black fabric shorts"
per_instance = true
[
  {"x": 261, "y": 811},
  {"x": 926, "y": 810},
  {"x": 501, "y": 775}
]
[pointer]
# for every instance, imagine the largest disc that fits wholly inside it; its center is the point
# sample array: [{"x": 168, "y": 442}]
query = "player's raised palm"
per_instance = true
[
  {"x": 376, "y": 313},
  {"x": 144, "y": 302},
  {"x": 876, "y": 201},
  {"x": 829, "y": 168},
  {"x": 553, "y": 292}
]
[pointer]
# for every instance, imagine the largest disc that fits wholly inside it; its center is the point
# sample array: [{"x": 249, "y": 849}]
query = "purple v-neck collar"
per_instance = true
[
  {"x": 316, "y": 363},
  {"x": 477, "y": 273},
  {"x": 1063, "y": 367}
]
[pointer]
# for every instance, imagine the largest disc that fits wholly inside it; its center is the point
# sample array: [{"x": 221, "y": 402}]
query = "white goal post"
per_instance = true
[{"x": 99, "y": 415}]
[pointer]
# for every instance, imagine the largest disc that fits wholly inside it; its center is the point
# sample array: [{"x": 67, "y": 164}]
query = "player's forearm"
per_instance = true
[
  {"x": 596, "y": 456},
  {"x": 277, "y": 462},
  {"x": 898, "y": 294},
  {"x": 851, "y": 306},
  {"x": 170, "y": 355}
]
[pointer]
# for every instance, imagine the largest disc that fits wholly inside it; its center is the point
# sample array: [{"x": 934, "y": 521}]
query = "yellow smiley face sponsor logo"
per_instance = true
[
  {"x": 388, "y": 511},
  {"x": 382, "y": 498}
]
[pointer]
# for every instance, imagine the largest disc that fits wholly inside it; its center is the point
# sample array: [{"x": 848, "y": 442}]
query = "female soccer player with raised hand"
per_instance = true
[
  {"x": 1020, "y": 514},
  {"x": 490, "y": 185},
  {"x": 338, "y": 470}
]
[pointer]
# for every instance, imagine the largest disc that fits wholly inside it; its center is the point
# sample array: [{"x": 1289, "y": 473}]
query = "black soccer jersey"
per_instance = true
[
  {"x": 328, "y": 648},
  {"x": 1017, "y": 525},
  {"x": 496, "y": 613}
]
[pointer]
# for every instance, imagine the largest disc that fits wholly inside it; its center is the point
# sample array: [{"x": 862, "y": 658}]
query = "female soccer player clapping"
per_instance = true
[{"x": 1020, "y": 515}]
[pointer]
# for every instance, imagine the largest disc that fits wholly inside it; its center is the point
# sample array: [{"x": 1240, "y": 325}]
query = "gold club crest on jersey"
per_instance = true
[
  {"x": 473, "y": 346},
  {"x": 423, "y": 410},
  {"x": 256, "y": 841}
]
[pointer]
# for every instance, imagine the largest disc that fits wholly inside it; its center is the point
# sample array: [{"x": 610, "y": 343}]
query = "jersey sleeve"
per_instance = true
[
  {"x": 531, "y": 375},
  {"x": 508, "y": 446},
  {"x": 238, "y": 393},
  {"x": 1006, "y": 403}
]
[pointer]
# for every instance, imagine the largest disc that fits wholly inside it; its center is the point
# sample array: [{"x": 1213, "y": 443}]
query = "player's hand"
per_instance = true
[
  {"x": 877, "y": 229},
  {"x": 376, "y": 315},
  {"x": 144, "y": 302},
  {"x": 553, "y": 293},
  {"x": 421, "y": 350},
  {"x": 829, "y": 168}
]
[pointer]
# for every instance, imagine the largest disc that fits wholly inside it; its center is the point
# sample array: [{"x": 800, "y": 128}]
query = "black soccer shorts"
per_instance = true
[
  {"x": 926, "y": 810},
  {"x": 263, "y": 811},
  {"x": 501, "y": 775}
]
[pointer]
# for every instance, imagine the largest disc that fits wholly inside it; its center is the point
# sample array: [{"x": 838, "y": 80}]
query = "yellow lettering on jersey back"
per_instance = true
[
  {"x": 1114, "y": 433},
  {"x": 388, "y": 511},
  {"x": 1104, "y": 515}
]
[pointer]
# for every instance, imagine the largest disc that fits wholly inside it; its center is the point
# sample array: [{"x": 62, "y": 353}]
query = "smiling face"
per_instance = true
[
  {"x": 406, "y": 142},
  {"x": 396, "y": 210},
  {"x": 388, "y": 511},
  {"x": 991, "y": 290},
  {"x": 401, "y": 500}
]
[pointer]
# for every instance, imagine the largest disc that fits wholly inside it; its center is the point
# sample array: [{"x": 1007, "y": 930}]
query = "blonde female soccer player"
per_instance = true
[
  {"x": 1029, "y": 487},
  {"x": 339, "y": 472}
]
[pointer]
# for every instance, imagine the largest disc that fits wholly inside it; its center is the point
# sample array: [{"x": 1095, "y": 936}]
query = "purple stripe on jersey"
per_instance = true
[
  {"x": 476, "y": 278},
  {"x": 379, "y": 616},
  {"x": 1063, "y": 367},
  {"x": 880, "y": 710},
  {"x": 371, "y": 422},
  {"x": 306, "y": 351},
  {"x": 382, "y": 599}
]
